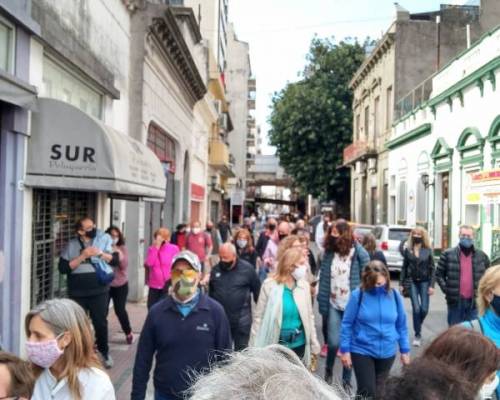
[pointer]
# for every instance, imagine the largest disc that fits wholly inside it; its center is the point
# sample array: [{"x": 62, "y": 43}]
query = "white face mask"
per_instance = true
[
  {"x": 196, "y": 230},
  {"x": 300, "y": 272},
  {"x": 487, "y": 390},
  {"x": 115, "y": 241}
]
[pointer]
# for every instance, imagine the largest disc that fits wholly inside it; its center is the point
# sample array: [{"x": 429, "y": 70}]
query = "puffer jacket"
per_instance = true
[
  {"x": 360, "y": 260},
  {"x": 418, "y": 269},
  {"x": 448, "y": 272}
]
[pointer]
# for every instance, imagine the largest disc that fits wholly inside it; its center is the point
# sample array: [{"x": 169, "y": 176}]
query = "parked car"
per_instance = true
[
  {"x": 360, "y": 230},
  {"x": 390, "y": 239}
]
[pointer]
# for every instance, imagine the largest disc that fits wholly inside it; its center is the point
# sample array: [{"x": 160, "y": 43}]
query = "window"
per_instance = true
[
  {"x": 376, "y": 119},
  {"x": 6, "y": 46},
  {"x": 472, "y": 214},
  {"x": 367, "y": 122},
  {"x": 357, "y": 126},
  {"x": 421, "y": 201},
  {"x": 388, "y": 108},
  {"x": 162, "y": 145},
  {"x": 60, "y": 84},
  {"x": 402, "y": 201},
  {"x": 399, "y": 234}
]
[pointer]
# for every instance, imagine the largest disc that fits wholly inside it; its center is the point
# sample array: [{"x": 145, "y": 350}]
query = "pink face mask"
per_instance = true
[{"x": 44, "y": 354}]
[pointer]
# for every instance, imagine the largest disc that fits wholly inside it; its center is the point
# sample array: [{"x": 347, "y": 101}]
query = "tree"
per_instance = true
[{"x": 311, "y": 120}]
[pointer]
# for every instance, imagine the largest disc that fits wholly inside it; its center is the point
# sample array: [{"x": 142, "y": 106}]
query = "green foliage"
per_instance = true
[{"x": 311, "y": 120}]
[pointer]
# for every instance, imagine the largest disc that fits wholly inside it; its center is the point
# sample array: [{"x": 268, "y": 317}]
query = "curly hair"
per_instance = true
[{"x": 344, "y": 242}]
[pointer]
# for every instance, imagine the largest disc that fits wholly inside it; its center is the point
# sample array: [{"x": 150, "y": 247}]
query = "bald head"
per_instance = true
[
  {"x": 284, "y": 228},
  {"x": 227, "y": 252}
]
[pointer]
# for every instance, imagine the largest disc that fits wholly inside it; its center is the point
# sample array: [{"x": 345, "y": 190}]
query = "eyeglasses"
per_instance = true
[{"x": 10, "y": 398}]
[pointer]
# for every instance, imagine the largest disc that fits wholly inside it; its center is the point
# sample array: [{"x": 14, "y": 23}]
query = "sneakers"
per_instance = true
[
  {"x": 348, "y": 389},
  {"x": 328, "y": 377},
  {"x": 417, "y": 342},
  {"x": 129, "y": 338},
  {"x": 324, "y": 351},
  {"x": 108, "y": 362}
]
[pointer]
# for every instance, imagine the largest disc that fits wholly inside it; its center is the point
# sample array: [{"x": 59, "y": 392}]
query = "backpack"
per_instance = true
[{"x": 476, "y": 326}]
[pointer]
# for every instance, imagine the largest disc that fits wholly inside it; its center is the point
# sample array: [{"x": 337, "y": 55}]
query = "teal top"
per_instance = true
[{"x": 292, "y": 333}]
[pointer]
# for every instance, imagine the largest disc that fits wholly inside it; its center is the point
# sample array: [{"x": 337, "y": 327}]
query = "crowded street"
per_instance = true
[{"x": 249, "y": 200}]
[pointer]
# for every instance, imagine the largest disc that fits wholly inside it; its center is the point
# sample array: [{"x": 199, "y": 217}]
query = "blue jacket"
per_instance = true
[
  {"x": 182, "y": 344},
  {"x": 375, "y": 326},
  {"x": 360, "y": 260}
]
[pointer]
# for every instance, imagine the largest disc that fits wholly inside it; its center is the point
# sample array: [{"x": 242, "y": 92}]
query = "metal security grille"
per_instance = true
[{"x": 54, "y": 215}]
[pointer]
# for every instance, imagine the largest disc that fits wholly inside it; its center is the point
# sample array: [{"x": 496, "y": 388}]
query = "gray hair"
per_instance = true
[
  {"x": 61, "y": 315},
  {"x": 271, "y": 373},
  {"x": 231, "y": 247},
  {"x": 468, "y": 227}
]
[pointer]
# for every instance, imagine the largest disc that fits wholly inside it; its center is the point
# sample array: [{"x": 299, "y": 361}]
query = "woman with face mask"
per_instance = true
[
  {"x": 418, "y": 276},
  {"x": 118, "y": 290},
  {"x": 60, "y": 345},
  {"x": 244, "y": 246},
  {"x": 159, "y": 265},
  {"x": 284, "y": 312},
  {"x": 488, "y": 304},
  {"x": 472, "y": 354},
  {"x": 373, "y": 327}
]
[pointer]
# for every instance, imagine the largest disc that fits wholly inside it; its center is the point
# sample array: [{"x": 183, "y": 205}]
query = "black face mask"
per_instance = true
[
  {"x": 271, "y": 227},
  {"x": 209, "y": 228},
  {"x": 418, "y": 240},
  {"x": 226, "y": 265},
  {"x": 495, "y": 304},
  {"x": 91, "y": 234},
  {"x": 282, "y": 236}
]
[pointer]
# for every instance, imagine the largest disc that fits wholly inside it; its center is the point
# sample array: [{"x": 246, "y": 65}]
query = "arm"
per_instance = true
[
  {"x": 441, "y": 271},
  {"x": 68, "y": 264},
  {"x": 401, "y": 326},
  {"x": 432, "y": 268},
  {"x": 382, "y": 258},
  {"x": 208, "y": 244},
  {"x": 152, "y": 257},
  {"x": 404, "y": 270},
  {"x": 223, "y": 340},
  {"x": 319, "y": 236},
  {"x": 143, "y": 360},
  {"x": 258, "y": 314},
  {"x": 315, "y": 346},
  {"x": 348, "y": 322},
  {"x": 254, "y": 285}
]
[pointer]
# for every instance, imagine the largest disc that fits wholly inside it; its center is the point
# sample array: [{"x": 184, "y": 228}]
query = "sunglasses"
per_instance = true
[{"x": 188, "y": 274}]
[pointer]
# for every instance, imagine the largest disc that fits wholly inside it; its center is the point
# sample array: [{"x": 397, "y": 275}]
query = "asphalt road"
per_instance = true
[{"x": 434, "y": 324}]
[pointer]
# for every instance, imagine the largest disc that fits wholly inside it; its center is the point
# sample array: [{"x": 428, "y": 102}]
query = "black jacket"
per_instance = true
[
  {"x": 448, "y": 272},
  {"x": 262, "y": 244},
  {"x": 418, "y": 269},
  {"x": 249, "y": 256},
  {"x": 378, "y": 255},
  {"x": 233, "y": 289}
]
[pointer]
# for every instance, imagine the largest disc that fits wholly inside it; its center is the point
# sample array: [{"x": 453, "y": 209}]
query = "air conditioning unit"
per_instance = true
[
  {"x": 223, "y": 125},
  {"x": 372, "y": 165},
  {"x": 360, "y": 167}
]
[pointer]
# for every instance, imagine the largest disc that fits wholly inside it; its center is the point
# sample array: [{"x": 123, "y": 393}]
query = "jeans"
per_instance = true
[
  {"x": 97, "y": 308},
  {"x": 334, "y": 324},
  {"x": 159, "y": 396},
  {"x": 419, "y": 295},
  {"x": 154, "y": 296},
  {"x": 371, "y": 374},
  {"x": 119, "y": 297},
  {"x": 464, "y": 310}
]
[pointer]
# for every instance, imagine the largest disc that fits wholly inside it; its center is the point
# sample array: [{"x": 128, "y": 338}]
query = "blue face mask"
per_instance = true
[
  {"x": 378, "y": 290},
  {"x": 466, "y": 243},
  {"x": 495, "y": 304}
]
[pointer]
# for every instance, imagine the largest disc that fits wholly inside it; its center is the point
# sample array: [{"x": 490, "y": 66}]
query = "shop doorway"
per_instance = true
[
  {"x": 445, "y": 207},
  {"x": 54, "y": 215}
]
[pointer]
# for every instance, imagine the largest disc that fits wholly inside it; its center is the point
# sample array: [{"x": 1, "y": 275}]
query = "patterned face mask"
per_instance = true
[
  {"x": 184, "y": 282},
  {"x": 44, "y": 354}
]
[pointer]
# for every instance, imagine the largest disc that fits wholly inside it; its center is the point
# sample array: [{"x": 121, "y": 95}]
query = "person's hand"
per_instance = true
[
  {"x": 405, "y": 359},
  {"x": 158, "y": 242},
  {"x": 91, "y": 252},
  {"x": 430, "y": 291},
  {"x": 205, "y": 280},
  {"x": 346, "y": 360}
]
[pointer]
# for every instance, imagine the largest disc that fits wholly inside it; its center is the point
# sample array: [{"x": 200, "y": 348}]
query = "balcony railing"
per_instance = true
[
  {"x": 252, "y": 84},
  {"x": 219, "y": 153},
  {"x": 251, "y": 104},
  {"x": 356, "y": 151},
  {"x": 414, "y": 99}
]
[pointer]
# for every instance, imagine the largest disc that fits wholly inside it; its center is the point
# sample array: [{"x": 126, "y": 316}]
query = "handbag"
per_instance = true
[{"x": 103, "y": 270}]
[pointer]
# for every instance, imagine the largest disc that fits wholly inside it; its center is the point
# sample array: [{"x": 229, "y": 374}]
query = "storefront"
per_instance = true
[
  {"x": 75, "y": 165},
  {"x": 197, "y": 200}
]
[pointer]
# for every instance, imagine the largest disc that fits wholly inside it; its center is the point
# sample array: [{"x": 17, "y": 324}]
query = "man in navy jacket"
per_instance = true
[{"x": 187, "y": 331}]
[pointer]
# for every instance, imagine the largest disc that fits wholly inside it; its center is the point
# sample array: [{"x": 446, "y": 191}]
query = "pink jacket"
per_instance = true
[{"x": 159, "y": 262}]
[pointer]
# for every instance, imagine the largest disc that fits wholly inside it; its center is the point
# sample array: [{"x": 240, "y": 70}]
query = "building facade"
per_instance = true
[
  {"x": 444, "y": 155},
  {"x": 391, "y": 81}
]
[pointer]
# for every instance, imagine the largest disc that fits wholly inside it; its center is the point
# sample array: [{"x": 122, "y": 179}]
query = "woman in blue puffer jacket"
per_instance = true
[
  {"x": 373, "y": 327},
  {"x": 340, "y": 274}
]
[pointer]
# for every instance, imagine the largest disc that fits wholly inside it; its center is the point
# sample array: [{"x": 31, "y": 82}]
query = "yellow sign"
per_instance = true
[{"x": 473, "y": 198}]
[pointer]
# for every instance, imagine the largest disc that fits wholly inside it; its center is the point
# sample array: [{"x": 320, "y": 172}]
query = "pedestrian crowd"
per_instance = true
[{"x": 231, "y": 315}]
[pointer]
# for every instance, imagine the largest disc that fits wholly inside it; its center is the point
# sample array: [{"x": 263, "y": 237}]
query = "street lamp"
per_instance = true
[
  {"x": 213, "y": 182},
  {"x": 426, "y": 181}
]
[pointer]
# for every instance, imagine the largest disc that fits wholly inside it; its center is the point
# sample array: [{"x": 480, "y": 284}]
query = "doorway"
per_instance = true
[
  {"x": 373, "y": 206},
  {"x": 445, "y": 210}
]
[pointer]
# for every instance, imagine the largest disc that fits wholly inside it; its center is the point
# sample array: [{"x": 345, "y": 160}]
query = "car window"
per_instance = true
[
  {"x": 399, "y": 234},
  {"x": 377, "y": 232}
]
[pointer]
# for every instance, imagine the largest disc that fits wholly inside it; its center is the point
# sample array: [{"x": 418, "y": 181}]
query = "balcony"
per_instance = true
[
  {"x": 251, "y": 104},
  {"x": 219, "y": 157},
  {"x": 358, "y": 150},
  {"x": 252, "y": 85},
  {"x": 414, "y": 99},
  {"x": 251, "y": 122}
]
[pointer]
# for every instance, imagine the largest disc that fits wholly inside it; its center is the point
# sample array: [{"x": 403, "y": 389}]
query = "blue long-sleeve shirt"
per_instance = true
[
  {"x": 181, "y": 344},
  {"x": 377, "y": 328}
]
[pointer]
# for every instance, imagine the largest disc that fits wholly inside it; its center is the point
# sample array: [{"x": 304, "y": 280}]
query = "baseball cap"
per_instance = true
[{"x": 190, "y": 258}]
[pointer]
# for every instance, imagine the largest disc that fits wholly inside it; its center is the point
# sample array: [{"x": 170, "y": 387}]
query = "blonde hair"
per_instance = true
[
  {"x": 64, "y": 315},
  {"x": 164, "y": 233},
  {"x": 487, "y": 284},
  {"x": 426, "y": 242},
  {"x": 285, "y": 244},
  {"x": 286, "y": 264}
]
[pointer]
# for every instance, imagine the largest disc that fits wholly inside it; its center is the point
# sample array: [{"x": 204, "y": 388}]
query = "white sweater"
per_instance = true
[{"x": 95, "y": 385}]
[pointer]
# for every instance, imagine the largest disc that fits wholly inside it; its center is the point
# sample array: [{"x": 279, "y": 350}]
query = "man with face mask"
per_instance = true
[
  {"x": 200, "y": 243},
  {"x": 187, "y": 331},
  {"x": 77, "y": 261},
  {"x": 233, "y": 281},
  {"x": 458, "y": 273}
]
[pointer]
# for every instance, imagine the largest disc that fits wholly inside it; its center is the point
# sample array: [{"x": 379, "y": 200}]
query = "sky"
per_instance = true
[{"x": 280, "y": 31}]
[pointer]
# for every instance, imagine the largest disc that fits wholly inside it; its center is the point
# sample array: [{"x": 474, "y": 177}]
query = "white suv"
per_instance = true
[{"x": 390, "y": 239}]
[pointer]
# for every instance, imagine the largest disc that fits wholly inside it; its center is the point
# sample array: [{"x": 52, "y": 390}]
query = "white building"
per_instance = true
[{"x": 442, "y": 153}]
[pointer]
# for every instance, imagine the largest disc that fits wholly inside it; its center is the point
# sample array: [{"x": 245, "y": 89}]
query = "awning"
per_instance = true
[
  {"x": 70, "y": 150},
  {"x": 14, "y": 91}
]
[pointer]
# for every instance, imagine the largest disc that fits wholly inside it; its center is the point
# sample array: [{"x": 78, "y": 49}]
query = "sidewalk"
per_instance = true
[{"x": 123, "y": 354}]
